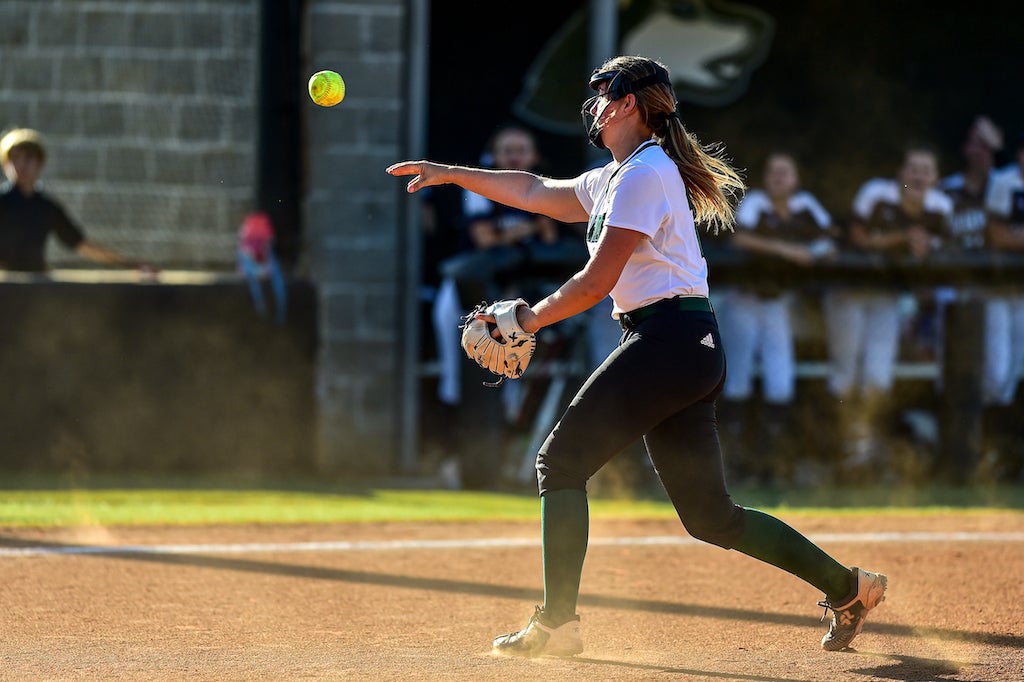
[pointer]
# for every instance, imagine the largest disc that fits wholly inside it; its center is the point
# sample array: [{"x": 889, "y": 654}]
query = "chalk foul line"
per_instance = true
[{"x": 484, "y": 543}]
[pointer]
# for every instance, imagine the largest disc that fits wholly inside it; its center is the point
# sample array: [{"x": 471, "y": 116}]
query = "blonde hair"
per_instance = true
[
  {"x": 713, "y": 185},
  {"x": 22, "y": 137}
]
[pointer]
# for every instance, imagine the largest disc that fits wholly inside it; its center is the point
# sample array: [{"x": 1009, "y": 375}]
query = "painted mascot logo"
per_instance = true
[{"x": 710, "y": 47}]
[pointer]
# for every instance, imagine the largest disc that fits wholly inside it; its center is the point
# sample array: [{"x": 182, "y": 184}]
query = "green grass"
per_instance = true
[{"x": 108, "y": 501}]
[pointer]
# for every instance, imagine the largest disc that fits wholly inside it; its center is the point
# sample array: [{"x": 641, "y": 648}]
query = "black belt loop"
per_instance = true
[{"x": 690, "y": 303}]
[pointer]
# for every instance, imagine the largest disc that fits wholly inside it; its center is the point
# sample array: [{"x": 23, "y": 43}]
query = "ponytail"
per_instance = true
[{"x": 713, "y": 186}]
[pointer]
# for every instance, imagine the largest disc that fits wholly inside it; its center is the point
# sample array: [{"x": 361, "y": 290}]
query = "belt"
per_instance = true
[{"x": 690, "y": 303}]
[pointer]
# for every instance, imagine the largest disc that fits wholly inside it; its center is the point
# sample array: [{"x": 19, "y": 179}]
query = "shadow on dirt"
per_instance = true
[{"x": 465, "y": 587}]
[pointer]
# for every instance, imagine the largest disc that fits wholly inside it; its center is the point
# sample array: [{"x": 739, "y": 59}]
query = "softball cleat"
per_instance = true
[
  {"x": 848, "y": 619},
  {"x": 538, "y": 639}
]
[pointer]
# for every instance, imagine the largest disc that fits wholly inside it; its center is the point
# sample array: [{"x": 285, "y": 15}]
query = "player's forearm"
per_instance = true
[
  {"x": 99, "y": 254},
  {"x": 876, "y": 241},
  {"x": 758, "y": 244},
  {"x": 1004, "y": 238},
  {"x": 520, "y": 189},
  {"x": 508, "y": 187},
  {"x": 575, "y": 296},
  {"x": 554, "y": 198}
]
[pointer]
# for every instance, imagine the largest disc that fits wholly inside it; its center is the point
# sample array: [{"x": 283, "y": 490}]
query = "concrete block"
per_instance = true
[
  {"x": 204, "y": 29},
  {"x": 157, "y": 29},
  {"x": 156, "y": 77},
  {"x": 230, "y": 166},
  {"x": 340, "y": 171},
  {"x": 128, "y": 164},
  {"x": 105, "y": 28},
  {"x": 202, "y": 212},
  {"x": 74, "y": 162},
  {"x": 242, "y": 27},
  {"x": 242, "y": 121},
  {"x": 53, "y": 26},
  {"x": 341, "y": 30},
  {"x": 370, "y": 79},
  {"x": 201, "y": 121},
  {"x": 55, "y": 114},
  {"x": 102, "y": 119},
  {"x": 229, "y": 77},
  {"x": 175, "y": 166},
  {"x": 353, "y": 265},
  {"x": 79, "y": 73},
  {"x": 14, "y": 25},
  {"x": 29, "y": 72},
  {"x": 156, "y": 120},
  {"x": 17, "y": 111},
  {"x": 385, "y": 33}
]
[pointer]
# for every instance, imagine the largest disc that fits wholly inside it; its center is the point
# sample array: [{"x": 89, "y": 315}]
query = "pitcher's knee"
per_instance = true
[
  {"x": 550, "y": 478},
  {"x": 721, "y": 529}
]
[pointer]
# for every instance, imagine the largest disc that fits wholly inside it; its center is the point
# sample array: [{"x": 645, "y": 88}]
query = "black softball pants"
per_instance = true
[{"x": 660, "y": 383}]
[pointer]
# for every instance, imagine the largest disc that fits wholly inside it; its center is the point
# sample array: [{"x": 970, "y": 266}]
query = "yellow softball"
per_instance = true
[{"x": 326, "y": 88}]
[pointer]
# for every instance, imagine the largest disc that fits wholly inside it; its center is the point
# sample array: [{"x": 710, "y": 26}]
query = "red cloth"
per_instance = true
[{"x": 256, "y": 235}]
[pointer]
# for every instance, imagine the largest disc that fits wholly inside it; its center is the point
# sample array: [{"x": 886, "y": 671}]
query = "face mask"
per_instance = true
[
  {"x": 592, "y": 118},
  {"x": 618, "y": 87}
]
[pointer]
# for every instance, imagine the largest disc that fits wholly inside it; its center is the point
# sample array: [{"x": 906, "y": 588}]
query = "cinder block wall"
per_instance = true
[
  {"x": 149, "y": 111},
  {"x": 353, "y": 225}
]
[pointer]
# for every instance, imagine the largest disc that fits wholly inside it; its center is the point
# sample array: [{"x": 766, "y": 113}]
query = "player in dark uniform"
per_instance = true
[
  {"x": 661, "y": 382},
  {"x": 969, "y": 187},
  {"x": 28, "y": 216}
]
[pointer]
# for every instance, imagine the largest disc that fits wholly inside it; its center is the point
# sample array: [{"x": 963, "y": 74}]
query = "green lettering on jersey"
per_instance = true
[{"x": 595, "y": 227}]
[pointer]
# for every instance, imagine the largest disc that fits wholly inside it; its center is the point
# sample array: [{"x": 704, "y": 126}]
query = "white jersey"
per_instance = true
[
  {"x": 883, "y": 195},
  {"x": 809, "y": 219},
  {"x": 646, "y": 194},
  {"x": 1005, "y": 198}
]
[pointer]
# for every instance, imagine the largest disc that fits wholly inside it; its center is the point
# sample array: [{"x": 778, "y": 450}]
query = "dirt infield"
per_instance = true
[{"x": 426, "y": 610}]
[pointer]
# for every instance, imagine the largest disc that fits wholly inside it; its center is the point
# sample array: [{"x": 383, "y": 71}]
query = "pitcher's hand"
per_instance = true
[{"x": 427, "y": 173}]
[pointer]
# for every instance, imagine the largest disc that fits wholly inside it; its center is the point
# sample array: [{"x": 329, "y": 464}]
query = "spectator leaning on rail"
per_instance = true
[
  {"x": 969, "y": 190},
  {"x": 780, "y": 225},
  {"x": 902, "y": 219},
  {"x": 1005, "y": 313},
  {"x": 28, "y": 216}
]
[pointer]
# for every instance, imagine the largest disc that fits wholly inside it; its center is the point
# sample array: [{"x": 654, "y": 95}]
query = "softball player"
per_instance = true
[
  {"x": 902, "y": 218},
  {"x": 779, "y": 224},
  {"x": 970, "y": 224},
  {"x": 1005, "y": 311},
  {"x": 661, "y": 382}
]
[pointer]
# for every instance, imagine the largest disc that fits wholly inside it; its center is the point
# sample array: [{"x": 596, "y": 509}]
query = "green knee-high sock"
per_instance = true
[
  {"x": 564, "y": 529},
  {"x": 769, "y": 539}
]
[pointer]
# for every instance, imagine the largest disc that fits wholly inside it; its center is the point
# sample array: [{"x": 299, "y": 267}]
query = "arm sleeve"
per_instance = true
[
  {"x": 821, "y": 216},
  {"x": 998, "y": 198},
  {"x": 638, "y": 201},
  {"x": 585, "y": 187},
  {"x": 866, "y": 198},
  {"x": 749, "y": 209},
  {"x": 70, "y": 234}
]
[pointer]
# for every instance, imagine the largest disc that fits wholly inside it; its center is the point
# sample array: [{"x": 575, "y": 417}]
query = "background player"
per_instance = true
[
  {"x": 901, "y": 219},
  {"x": 779, "y": 224}
]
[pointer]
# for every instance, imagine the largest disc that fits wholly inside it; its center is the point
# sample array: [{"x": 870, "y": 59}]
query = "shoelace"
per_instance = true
[{"x": 840, "y": 620}]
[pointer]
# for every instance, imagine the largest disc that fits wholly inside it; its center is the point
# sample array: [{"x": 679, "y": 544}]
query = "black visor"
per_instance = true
[{"x": 620, "y": 86}]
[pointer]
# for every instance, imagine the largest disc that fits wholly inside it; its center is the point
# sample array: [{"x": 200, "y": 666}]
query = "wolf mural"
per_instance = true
[{"x": 711, "y": 48}]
